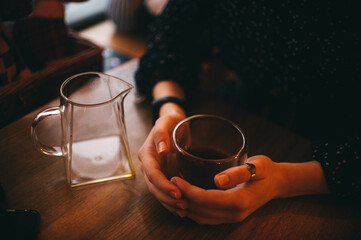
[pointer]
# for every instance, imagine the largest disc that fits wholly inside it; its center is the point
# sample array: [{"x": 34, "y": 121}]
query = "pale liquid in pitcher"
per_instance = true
[{"x": 100, "y": 158}]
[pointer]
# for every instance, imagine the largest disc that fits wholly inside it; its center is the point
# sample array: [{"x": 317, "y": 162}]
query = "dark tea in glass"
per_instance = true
[{"x": 207, "y": 145}]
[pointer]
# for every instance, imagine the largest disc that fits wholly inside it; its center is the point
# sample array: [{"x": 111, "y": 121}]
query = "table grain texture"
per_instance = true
[{"x": 125, "y": 209}]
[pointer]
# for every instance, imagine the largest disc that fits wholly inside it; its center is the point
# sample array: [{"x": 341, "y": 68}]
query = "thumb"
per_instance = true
[
  {"x": 240, "y": 174},
  {"x": 162, "y": 132},
  {"x": 161, "y": 140}
]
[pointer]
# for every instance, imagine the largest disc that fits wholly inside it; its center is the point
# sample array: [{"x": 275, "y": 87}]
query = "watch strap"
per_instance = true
[{"x": 159, "y": 102}]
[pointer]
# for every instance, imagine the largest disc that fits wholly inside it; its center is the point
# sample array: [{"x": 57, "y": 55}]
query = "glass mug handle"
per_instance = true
[{"x": 48, "y": 150}]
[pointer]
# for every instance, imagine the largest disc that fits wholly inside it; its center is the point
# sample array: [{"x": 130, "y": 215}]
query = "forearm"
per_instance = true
[
  {"x": 169, "y": 88},
  {"x": 301, "y": 179}
]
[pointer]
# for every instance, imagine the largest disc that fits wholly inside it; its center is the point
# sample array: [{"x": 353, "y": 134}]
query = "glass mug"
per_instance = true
[
  {"x": 94, "y": 141},
  {"x": 205, "y": 146}
]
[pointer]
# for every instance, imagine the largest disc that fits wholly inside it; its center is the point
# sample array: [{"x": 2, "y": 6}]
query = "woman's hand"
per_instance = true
[
  {"x": 154, "y": 157},
  {"x": 234, "y": 204},
  {"x": 243, "y": 197}
]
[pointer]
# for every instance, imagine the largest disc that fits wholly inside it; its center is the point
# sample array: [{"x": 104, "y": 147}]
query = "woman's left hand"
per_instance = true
[{"x": 234, "y": 204}]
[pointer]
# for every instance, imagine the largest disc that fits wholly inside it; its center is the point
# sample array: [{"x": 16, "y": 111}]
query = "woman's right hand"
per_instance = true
[{"x": 156, "y": 164}]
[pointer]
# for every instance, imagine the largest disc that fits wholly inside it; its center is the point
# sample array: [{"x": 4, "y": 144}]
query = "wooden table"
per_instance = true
[{"x": 126, "y": 210}]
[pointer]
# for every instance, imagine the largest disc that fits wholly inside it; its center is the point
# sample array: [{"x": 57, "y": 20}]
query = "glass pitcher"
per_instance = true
[{"x": 94, "y": 141}]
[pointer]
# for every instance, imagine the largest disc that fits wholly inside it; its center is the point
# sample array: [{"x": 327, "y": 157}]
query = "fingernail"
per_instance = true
[
  {"x": 223, "y": 179},
  {"x": 174, "y": 195},
  {"x": 174, "y": 181},
  {"x": 182, "y": 206},
  {"x": 161, "y": 147}
]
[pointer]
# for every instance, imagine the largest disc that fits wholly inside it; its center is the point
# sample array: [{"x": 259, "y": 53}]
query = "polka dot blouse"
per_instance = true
[{"x": 300, "y": 57}]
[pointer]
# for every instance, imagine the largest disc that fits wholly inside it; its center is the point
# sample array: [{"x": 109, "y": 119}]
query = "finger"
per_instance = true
[
  {"x": 180, "y": 212},
  {"x": 161, "y": 138},
  {"x": 216, "y": 199},
  {"x": 236, "y": 213},
  {"x": 232, "y": 177},
  {"x": 240, "y": 174},
  {"x": 162, "y": 132},
  {"x": 216, "y": 206},
  {"x": 152, "y": 171},
  {"x": 172, "y": 204},
  {"x": 234, "y": 207},
  {"x": 177, "y": 207},
  {"x": 219, "y": 206}
]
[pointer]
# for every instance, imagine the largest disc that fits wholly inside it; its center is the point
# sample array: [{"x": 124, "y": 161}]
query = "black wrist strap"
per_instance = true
[{"x": 158, "y": 103}]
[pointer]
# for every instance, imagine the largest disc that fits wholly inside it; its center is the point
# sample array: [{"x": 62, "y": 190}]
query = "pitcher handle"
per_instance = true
[{"x": 48, "y": 150}]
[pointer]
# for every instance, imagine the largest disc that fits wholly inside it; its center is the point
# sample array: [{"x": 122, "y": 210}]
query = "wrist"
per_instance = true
[
  {"x": 168, "y": 105},
  {"x": 171, "y": 108},
  {"x": 168, "y": 99},
  {"x": 297, "y": 179}
]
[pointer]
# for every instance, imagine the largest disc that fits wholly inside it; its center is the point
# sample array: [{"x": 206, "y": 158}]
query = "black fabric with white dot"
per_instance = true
[
  {"x": 301, "y": 56},
  {"x": 341, "y": 164}
]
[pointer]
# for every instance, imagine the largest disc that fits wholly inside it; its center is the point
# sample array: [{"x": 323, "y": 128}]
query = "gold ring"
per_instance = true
[{"x": 252, "y": 170}]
